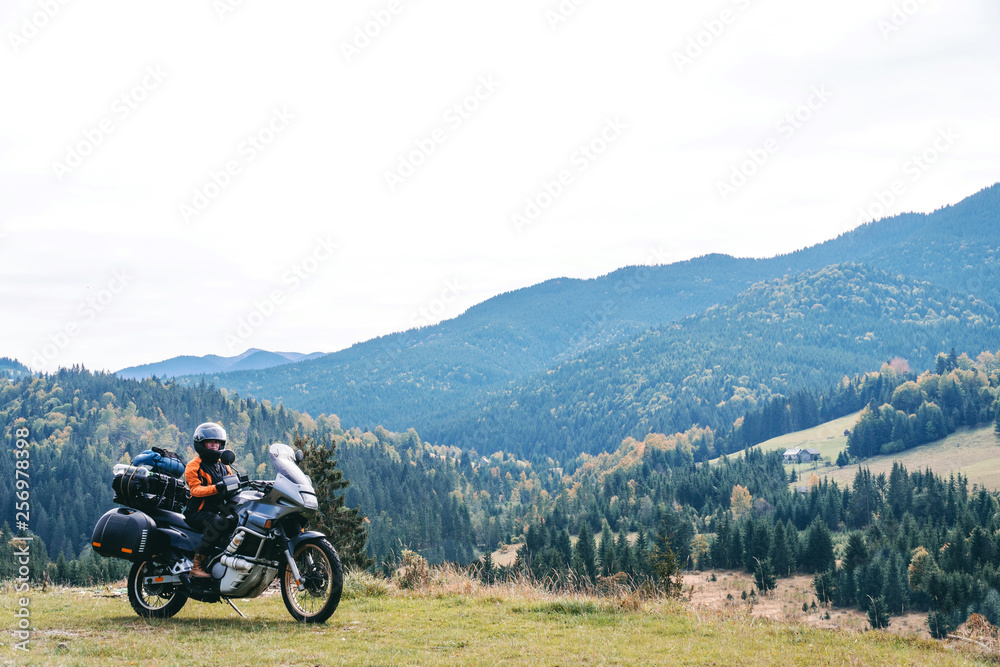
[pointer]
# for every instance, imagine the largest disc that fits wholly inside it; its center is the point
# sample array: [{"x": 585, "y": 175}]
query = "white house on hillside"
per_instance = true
[{"x": 797, "y": 455}]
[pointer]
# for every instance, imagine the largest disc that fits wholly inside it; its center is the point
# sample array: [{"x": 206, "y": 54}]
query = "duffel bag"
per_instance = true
[
  {"x": 141, "y": 488},
  {"x": 161, "y": 461}
]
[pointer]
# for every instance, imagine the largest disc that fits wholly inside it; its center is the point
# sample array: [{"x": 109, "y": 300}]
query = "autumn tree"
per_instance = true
[{"x": 741, "y": 502}]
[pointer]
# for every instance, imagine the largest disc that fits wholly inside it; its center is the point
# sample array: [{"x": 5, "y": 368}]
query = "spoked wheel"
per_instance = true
[
  {"x": 153, "y": 600},
  {"x": 323, "y": 580}
]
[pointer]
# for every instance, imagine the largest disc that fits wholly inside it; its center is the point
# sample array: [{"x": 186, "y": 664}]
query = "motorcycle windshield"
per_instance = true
[{"x": 283, "y": 458}]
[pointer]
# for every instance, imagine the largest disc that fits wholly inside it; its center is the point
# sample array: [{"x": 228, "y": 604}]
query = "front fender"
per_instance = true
[{"x": 294, "y": 542}]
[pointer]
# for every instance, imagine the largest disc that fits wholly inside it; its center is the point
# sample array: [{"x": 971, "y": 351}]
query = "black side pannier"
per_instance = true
[
  {"x": 143, "y": 489},
  {"x": 126, "y": 533}
]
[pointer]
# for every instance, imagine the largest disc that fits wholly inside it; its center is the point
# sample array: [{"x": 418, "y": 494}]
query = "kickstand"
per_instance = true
[{"x": 235, "y": 607}]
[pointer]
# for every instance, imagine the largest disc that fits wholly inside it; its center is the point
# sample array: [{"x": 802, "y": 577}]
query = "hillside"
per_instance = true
[
  {"x": 252, "y": 359},
  {"x": 423, "y": 377},
  {"x": 806, "y": 331},
  {"x": 973, "y": 452},
  {"x": 827, "y": 437}
]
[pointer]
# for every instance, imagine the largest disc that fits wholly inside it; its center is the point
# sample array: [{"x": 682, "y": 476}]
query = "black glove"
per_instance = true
[{"x": 221, "y": 488}]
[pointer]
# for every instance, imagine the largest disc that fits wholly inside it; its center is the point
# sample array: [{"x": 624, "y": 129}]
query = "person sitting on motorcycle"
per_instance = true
[{"x": 206, "y": 511}]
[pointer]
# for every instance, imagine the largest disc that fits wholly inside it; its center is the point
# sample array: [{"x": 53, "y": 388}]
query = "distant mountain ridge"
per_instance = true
[
  {"x": 252, "y": 359},
  {"x": 801, "y": 332},
  {"x": 428, "y": 377},
  {"x": 12, "y": 368}
]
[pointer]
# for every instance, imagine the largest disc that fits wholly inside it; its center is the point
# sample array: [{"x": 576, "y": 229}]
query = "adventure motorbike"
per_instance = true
[{"x": 270, "y": 539}]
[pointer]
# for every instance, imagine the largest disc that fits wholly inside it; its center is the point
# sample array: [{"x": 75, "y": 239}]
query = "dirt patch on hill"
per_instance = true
[{"x": 785, "y": 603}]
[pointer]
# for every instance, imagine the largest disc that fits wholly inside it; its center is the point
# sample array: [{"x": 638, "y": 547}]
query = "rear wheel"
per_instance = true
[
  {"x": 153, "y": 600},
  {"x": 322, "y": 578}
]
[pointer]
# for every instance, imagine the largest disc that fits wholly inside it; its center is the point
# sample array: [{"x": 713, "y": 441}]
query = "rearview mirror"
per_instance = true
[
  {"x": 299, "y": 456},
  {"x": 228, "y": 456}
]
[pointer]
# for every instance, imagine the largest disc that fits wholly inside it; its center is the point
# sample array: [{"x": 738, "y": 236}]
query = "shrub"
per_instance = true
[
  {"x": 361, "y": 584},
  {"x": 414, "y": 573}
]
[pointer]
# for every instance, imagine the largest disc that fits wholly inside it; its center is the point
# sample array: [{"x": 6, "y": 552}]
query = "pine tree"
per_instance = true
[
  {"x": 856, "y": 552},
  {"x": 487, "y": 571},
  {"x": 843, "y": 458},
  {"x": 780, "y": 557},
  {"x": 623, "y": 552},
  {"x": 665, "y": 566},
  {"x": 607, "y": 551},
  {"x": 564, "y": 545},
  {"x": 640, "y": 555},
  {"x": 585, "y": 553},
  {"x": 817, "y": 556},
  {"x": 878, "y": 613},
  {"x": 763, "y": 576},
  {"x": 345, "y": 527}
]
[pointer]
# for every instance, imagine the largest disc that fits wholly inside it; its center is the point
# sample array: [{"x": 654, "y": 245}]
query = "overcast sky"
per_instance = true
[{"x": 204, "y": 177}]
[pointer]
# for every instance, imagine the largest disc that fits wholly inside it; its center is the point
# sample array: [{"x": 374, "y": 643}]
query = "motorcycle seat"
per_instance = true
[{"x": 170, "y": 518}]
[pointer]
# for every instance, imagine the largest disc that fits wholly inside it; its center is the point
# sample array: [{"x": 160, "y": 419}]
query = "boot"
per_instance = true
[{"x": 196, "y": 571}]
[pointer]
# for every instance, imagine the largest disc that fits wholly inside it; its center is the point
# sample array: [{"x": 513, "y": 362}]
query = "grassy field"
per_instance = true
[
  {"x": 451, "y": 621},
  {"x": 973, "y": 452},
  {"x": 828, "y": 438}
]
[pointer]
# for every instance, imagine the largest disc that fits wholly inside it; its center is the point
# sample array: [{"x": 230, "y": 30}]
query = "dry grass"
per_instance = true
[
  {"x": 784, "y": 604},
  {"x": 452, "y": 619}
]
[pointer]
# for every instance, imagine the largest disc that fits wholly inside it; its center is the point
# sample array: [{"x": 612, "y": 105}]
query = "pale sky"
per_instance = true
[{"x": 204, "y": 177}]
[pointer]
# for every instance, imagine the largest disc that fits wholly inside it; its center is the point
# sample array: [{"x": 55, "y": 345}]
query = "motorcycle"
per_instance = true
[{"x": 270, "y": 539}]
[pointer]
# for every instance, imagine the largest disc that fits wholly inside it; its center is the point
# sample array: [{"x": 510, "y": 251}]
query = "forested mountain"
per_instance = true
[
  {"x": 80, "y": 424},
  {"x": 793, "y": 333},
  {"x": 252, "y": 359},
  {"x": 431, "y": 378},
  {"x": 13, "y": 368}
]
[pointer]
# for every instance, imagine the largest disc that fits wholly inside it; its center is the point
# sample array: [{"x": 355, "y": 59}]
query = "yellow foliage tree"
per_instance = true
[{"x": 741, "y": 502}]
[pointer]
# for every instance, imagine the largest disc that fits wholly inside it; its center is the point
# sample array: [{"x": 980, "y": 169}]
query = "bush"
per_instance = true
[
  {"x": 414, "y": 572},
  {"x": 361, "y": 584},
  {"x": 893, "y": 447}
]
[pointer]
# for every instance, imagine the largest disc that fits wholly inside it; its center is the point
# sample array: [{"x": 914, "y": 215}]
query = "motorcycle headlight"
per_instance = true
[{"x": 309, "y": 500}]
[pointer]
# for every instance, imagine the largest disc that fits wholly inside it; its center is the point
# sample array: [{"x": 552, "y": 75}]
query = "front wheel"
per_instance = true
[
  {"x": 153, "y": 600},
  {"x": 323, "y": 579}
]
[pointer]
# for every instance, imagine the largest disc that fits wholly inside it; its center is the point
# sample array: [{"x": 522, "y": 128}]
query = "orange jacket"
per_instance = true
[{"x": 201, "y": 483}]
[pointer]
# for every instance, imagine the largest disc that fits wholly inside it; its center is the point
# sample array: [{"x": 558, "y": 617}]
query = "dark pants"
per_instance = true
[{"x": 215, "y": 529}]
